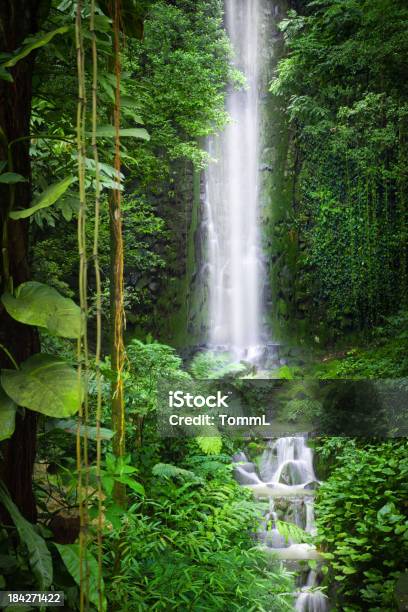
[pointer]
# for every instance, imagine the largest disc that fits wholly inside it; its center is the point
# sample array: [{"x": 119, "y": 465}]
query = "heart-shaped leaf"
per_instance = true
[
  {"x": 44, "y": 384},
  {"x": 38, "y": 304},
  {"x": 7, "y": 415}
]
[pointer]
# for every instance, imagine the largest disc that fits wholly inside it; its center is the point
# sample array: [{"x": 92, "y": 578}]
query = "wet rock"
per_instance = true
[
  {"x": 245, "y": 478},
  {"x": 240, "y": 456},
  {"x": 248, "y": 467}
]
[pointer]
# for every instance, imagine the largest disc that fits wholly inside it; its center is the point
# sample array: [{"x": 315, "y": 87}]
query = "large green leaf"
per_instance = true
[
  {"x": 38, "y": 304},
  {"x": 7, "y": 415},
  {"x": 10, "y": 178},
  {"x": 34, "y": 42},
  {"x": 44, "y": 384},
  {"x": 39, "y": 556},
  {"x": 70, "y": 554},
  {"x": 47, "y": 198},
  {"x": 108, "y": 131},
  {"x": 71, "y": 426}
]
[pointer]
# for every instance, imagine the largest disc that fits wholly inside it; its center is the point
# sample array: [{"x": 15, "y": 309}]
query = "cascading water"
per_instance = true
[
  {"x": 286, "y": 478},
  {"x": 234, "y": 259},
  {"x": 234, "y": 256}
]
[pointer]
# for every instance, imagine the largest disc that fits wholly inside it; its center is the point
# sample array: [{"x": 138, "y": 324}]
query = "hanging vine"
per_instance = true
[
  {"x": 98, "y": 299},
  {"x": 117, "y": 301},
  {"x": 83, "y": 357}
]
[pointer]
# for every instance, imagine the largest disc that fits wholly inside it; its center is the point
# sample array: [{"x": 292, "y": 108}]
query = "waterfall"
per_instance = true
[
  {"x": 286, "y": 478},
  {"x": 231, "y": 201}
]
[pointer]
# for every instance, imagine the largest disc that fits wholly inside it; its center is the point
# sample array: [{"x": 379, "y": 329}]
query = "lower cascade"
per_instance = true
[{"x": 285, "y": 477}]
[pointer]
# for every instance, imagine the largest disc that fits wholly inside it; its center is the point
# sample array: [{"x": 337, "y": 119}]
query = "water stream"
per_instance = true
[
  {"x": 285, "y": 477},
  {"x": 234, "y": 254}
]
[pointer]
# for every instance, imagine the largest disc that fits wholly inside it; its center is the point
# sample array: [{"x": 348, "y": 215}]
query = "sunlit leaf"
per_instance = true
[
  {"x": 47, "y": 198},
  {"x": 38, "y": 304},
  {"x": 108, "y": 131},
  {"x": 34, "y": 42},
  {"x": 44, "y": 384}
]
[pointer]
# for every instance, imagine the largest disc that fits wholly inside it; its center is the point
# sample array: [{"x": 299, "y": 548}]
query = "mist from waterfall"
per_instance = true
[{"x": 234, "y": 254}]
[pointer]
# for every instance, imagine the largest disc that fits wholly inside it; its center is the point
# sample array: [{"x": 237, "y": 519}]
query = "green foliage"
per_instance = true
[
  {"x": 10, "y": 178},
  {"x": 70, "y": 426},
  {"x": 39, "y": 556},
  {"x": 45, "y": 199},
  {"x": 383, "y": 356},
  {"x": 119, "y": 470},
  {"x": 31, "y": 43},
  {"x": 362, "y": 521},
  {"x": 182, "y": 39},
  {"x": 44, "y": 384},
  {"x": 37, "y": 304},
  {"x": 85, "y": 563},
  {"x": 215, "y": 366},
  {"x": 346, "y": 105},
  {"x": 292, "y": 532},
  {"x": 188, "y": 546},
  {"x": 148, "y": 364},
  {"x": 108, "y": 131},
  {"x": 167, "y": 470},
  {"x": 210, "y": 445},
  {"x": 7, "y": 415}
]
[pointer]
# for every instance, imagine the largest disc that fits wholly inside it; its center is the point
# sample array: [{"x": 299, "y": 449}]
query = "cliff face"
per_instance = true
[{"x": 181, "y": 309}]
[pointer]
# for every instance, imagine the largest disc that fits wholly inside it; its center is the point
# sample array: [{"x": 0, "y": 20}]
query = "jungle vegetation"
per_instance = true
[{"x": 103, "y": 110}]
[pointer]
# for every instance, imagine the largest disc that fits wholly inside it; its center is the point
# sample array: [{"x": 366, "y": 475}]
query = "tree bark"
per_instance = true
[{"x": 18, "y": 19}]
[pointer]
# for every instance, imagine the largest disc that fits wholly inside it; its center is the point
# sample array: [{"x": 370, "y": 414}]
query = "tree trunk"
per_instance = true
[{"x": 18, "y": 19}]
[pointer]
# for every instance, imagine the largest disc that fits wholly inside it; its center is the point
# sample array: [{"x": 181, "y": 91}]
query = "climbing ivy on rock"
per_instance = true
[{"x": 346, "y": 107}]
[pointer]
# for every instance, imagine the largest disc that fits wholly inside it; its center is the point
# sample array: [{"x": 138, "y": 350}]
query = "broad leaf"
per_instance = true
[
  {"x": 108, "y": 131},
  {"x": 70, "y": 554},
  {"x": 5, "y": 75},
  {"x": 130, "y": 102},
  {"x": 7, "y": 415},
  {"x": 12, "y": 177},
  {"x": 39, "y": 556},
  {"x": 132, "y": 484},
  {"x": 71, "y": 426},
  {"x": 44, "y": 384},
  {"x": 34, "y": 42},
  {"x": 38, "y": 304},
  {"x": 47, "y": 198}
]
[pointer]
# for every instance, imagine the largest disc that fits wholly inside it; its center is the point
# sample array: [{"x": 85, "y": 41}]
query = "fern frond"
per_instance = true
[{"x": 167, "y": 470}]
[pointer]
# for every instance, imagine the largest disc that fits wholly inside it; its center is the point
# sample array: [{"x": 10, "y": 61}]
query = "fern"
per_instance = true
[
  {"x": 167, "y": 470},
  {"x": 294, "y": 533},
  {"x": 210, "y": 445},
  {"x": 215, "y": 366}
]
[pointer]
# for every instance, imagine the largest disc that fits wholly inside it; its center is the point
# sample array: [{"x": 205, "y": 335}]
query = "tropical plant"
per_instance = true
[{"x": 362, "y": 521}]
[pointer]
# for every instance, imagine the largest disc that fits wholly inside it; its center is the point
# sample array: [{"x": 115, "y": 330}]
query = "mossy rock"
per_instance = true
[{"x": 282, "y": 308}]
